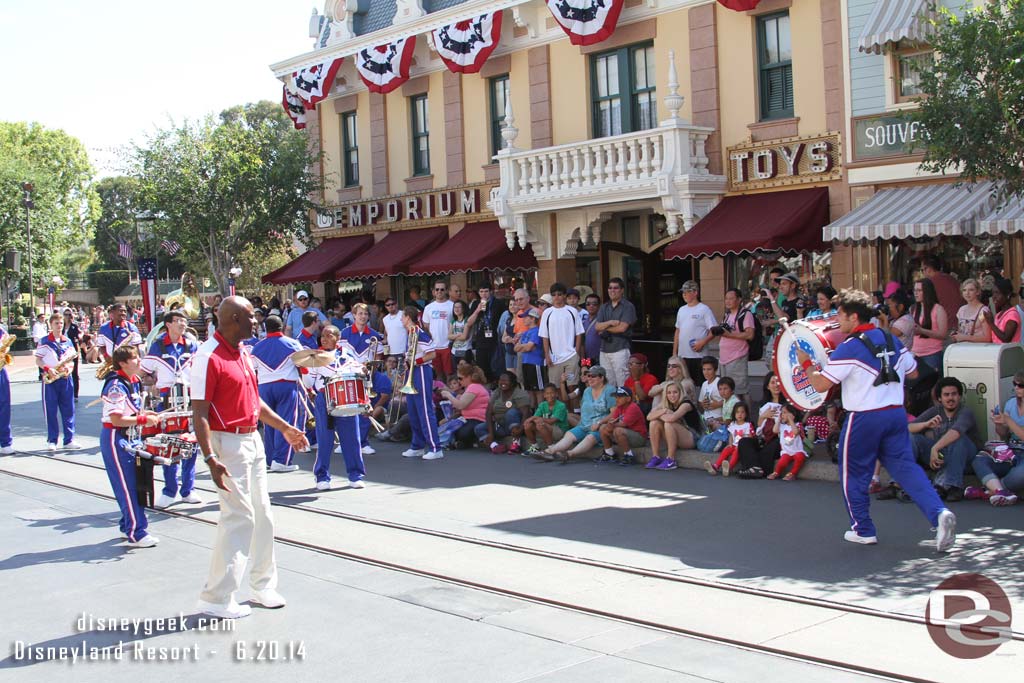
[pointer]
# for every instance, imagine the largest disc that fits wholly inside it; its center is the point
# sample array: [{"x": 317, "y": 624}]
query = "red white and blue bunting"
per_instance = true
[
  {"x": 465, "y": 45},
  {"x": 313, "y": 84},
  {"x": 294, "y": 107},
  {"x": 385, "y": 67},
  {"x": 739, "y": 5},
  {"x": 586, "y": 21}
]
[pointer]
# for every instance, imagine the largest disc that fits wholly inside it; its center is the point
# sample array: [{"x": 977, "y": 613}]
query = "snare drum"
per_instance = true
[
  {"x": 816, "y": 336},
  {"x": 178, "y": 423},
  {"x": 182, "y": 447},
  {"x": 346, "y": 395}
]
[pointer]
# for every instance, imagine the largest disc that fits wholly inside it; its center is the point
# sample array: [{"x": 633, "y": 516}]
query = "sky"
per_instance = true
[{"x": 109, "y": 72}]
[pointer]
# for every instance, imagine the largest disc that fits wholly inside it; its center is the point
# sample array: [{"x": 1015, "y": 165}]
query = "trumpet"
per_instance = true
[
  {"x": 61, "y": 370},
  {"x": 107, "y": 366},
  {"x": 410, "y": 362},
  {"x": 5, "y": 350}
]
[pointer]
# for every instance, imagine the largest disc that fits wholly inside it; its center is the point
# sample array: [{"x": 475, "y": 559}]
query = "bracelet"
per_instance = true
[
  {"x": 140, "y": 420},
  {"x": 207, "y": 458},
  {"x": 807, "y": 363}
]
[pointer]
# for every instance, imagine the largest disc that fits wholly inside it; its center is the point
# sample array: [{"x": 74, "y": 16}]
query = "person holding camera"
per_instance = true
[
  {"x": 735, "y": 333},
  {"x": 693, "y": 328},
  {"x": 792, "y": 306}
]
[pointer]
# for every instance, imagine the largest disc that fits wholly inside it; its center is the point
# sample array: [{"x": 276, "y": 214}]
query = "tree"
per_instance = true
[
  {"x": 235, "y": 190},
  {"x": 66, "y": 204},
  {"x": 973, "y": 109},
  {"x": 119, "y": 202}
]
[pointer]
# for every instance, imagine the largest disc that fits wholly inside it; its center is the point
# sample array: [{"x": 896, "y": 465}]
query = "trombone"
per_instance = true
[{"x": 410, "y": 362}]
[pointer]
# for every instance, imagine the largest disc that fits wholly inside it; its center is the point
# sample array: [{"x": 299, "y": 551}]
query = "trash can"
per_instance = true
[{"x": 987, "y": 373}]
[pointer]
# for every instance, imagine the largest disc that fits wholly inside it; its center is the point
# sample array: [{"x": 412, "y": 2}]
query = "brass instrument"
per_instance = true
[
  {"x": 410, "y": 361},
  {"x": 371, "y": 354},
  {"x": 187, "y": 296},
  {"x": 5, "y": 350},
  {"x": 62, "y": 369},
  {"x": 107, "y": 366}
]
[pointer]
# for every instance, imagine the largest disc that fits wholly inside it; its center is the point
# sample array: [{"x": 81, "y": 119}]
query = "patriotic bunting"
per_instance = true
[
  {"x": 313, "y": 84},
  {"x": 739, "y": 5},
  {"x": 147, "y": 283},
  {"x": 385, "y": 67},
  {"x": 586, "y": 21},
  {"x": 465, "y": 45},
  {"x": 295, "y": 108}
]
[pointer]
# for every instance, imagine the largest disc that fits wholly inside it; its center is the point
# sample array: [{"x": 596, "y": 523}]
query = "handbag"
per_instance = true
[{"x": 714, "y": 441}]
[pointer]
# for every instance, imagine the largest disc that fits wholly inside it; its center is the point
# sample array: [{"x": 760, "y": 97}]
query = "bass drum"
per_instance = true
[{"x": 817, "y": 337}]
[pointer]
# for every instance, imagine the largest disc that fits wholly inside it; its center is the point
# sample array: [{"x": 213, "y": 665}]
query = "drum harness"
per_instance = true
[{"x": 887, "y": 373}]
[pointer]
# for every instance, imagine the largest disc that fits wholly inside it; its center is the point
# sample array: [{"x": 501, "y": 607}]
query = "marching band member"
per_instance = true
[
  {"x": 420, "y": 406},
  {"x": 308, "y": 337},
  {"x": 122, "y": 408},
  {"x": 871, "y": 366},
  {"x": 6, "y": 441},
  {"x": 58, "y": 395},
  {"x": 279, "y": 388},
  {"x": 327, "y": 426},
  {"x": 116, "y": 330},
  {"x": 357, "y": 338},
  {"x": 169, "y": 362}
]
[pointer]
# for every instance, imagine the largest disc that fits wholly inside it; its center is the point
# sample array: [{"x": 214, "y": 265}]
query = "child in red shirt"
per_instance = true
[{"x": 626, "y": 426}]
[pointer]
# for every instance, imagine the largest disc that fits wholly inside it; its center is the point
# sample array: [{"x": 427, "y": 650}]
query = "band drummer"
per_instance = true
[
  {"x": 226, "y": 407},
  {"x": 169, "y": 363},
  {"x": 346, "y": 428},
  {"x": 6, "y": 441},
  {"x": 358, "y": 337},
  {"x": 871, "y": 366},
  {"x": 122, "y": 409},
  {"x": 279, "y": 388},
  {"x": 115, "y": 331},
  {"x": 54, "y": 356},
  {"x": 420, "y": 405}
]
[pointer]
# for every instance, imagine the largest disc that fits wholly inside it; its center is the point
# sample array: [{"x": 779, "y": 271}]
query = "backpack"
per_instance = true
[{"x": 756, "y": 344}]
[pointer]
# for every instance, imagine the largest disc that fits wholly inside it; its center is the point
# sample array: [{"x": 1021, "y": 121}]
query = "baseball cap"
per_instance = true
[
  {"x": 572, "y": 291},
  {"x": 302, "y": 294},
  {"x": 623, "y": 391},
  {"x": 533, "y": 313},
  {"x": 597, "y": 370},
  {"x": 792, "y": 277},
  {"x": 690, "y": 286},
  {"x": 640, "y": 357}
]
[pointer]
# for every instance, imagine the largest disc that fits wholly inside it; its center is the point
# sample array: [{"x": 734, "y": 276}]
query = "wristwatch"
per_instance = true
[{"x": 206, "y": 458}]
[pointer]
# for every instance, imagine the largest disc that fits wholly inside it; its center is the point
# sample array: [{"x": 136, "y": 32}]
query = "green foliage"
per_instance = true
[
  {"x": 973, "y": 111},
  {"x": 235, "y": 190},
  {"x": 108, "y": 284},
  {"x": 66, "y": 203}
]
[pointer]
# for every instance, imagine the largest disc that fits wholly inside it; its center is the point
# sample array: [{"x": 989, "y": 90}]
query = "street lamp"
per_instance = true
[{"x": 29, "y": 205}]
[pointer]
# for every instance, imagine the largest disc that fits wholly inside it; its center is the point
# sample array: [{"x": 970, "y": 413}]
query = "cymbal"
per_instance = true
[{"x": 312, "y": 358}]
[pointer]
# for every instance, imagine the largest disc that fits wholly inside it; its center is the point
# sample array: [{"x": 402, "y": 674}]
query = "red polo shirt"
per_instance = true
[{"x": 224, "y": 376}]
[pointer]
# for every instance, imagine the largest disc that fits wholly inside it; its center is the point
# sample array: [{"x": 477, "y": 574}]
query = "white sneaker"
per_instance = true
[
  {"x": 433, "y": 455},
  {"x": 52, "y": 447},
  {"x": 232, "y": 610},
  {"x": 192, "y": 497},
  {"x": 147, "y": 541},
  {"x": 853, "y": 537},
  {"x": 357, "y": 484},
  {"x": 384, "y": 436},
  {"x": 323, "y": 486},
  {"x": 269, "y": 598},
  {"x": 73, "y": 446},
  {"x": 280, "y": 467},
  {"x": 369, "y": 450},
  {"x": 7, "y": 450},
  {"x": 338, "y": 449},
  {"x": 163, "y": 501},
  {"x": 413, "y": 453},
  {"x": 945, "y": 534}
]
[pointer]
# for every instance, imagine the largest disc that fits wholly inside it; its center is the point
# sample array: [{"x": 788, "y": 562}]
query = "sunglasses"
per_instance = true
[
  {"x": 674, "y": 365},
  {"x": 1018, "y": 385},
  {"x": 440, "y": 289}
]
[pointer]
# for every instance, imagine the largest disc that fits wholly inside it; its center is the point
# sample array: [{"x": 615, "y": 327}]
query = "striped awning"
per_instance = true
[
  {"x": 1007, "y": 219},
  {"x": 924, "y": 211},
  {"x": 892, "y": 21}
]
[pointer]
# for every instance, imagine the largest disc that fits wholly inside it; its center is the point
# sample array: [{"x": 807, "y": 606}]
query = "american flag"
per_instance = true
[
  {"x": 171, "y": 247},
  {"x": 124, "y": 249},
  {"x": 147, "y": 282}
]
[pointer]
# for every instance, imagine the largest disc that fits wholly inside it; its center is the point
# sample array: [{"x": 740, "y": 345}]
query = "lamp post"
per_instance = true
[{"x": 29, "y": 205}]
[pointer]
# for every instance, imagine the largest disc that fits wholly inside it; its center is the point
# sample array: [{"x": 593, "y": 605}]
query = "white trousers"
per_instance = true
[
  {"x": 616, "y": 365},
  {"x": 246, "y": 526}
]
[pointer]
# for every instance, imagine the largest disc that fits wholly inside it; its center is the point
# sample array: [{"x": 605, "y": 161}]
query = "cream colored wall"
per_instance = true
[
  {"x": 519, "y": 84},
  {"x": 476, "y": 129},
  {"x": 331, "y": 135},
  {"x": 438, "y": 151},
  {"x": 400, "y": 141},
  {"x": 363, "y": 139},
  {"x": 673, "y": 34},
  {"x": 808, "y": 66},
  {"x": 570, "y": 94}
]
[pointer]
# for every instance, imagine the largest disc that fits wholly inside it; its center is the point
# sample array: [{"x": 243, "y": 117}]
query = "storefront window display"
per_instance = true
[
  {"x": 750, "y": 272},
  {"x": 964, "y": 257}
]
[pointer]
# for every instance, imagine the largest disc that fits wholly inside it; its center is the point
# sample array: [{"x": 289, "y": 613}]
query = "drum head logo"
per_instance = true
[
  {"x": 968, "y": 616},
  {"x": 801, "y": 382}
]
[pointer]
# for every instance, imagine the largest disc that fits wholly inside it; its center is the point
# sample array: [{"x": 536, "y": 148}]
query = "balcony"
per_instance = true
[{"x": 666, "y": 167}]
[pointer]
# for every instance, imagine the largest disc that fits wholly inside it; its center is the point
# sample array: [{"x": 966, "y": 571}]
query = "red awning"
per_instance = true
[
  {"x": 478, "y": 246},
  {"x": 319, "y": 263},
  {"x": 788, "y": 221},
  {"x": 393, "y": 254}
]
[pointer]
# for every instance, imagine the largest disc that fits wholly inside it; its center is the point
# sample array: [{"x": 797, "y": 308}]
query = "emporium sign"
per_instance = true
[
  {"x": 407, "y": 210},
  {"x": 790, "y": 161}
]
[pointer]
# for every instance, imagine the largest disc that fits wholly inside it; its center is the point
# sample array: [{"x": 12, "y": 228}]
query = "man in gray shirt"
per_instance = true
[
  {"x": 946, "y": 438},
  {"x": 615, "y": 320}
]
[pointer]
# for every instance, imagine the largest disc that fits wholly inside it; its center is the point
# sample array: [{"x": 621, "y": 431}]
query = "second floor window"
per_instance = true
[
  {"x": 499, "y": 96},
  {"x": 908, "y": 67},
  {"x": 775, "y": 66},
  {"x": 349, "y": 149},
  {"x": 420, "y": 135},
  {"x": 623, "y": 90}
]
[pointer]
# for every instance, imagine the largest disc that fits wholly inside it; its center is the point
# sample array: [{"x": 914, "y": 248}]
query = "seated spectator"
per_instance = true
[
  {"x": 945, "y": 439},
  {"x": 727, "y": 390},
  {"x": 971, "y": 325},
  {"x": 710, "y": 399},
  {"x": 739, "y": 428},
  {"x": 549, "y": 422},
  {"x": 625, "y": 427},
  {"x": 823, "y": 297},
  {"x": 1005, "y": 324},
  {"x": 999, "y": 479},
  {"x": 504, "y": 416},
  {"x": 676, "y": 420},
  {"x": 90, "y": 352},
  {"x": 758, "y": 453},
  {"x": 640, "y": 382},
  {"x": 598, "y": 399},
  {"x": 471, "y": 402},
  {"x": 675, "y": 371},
  {"x": 791, "y": 442}
]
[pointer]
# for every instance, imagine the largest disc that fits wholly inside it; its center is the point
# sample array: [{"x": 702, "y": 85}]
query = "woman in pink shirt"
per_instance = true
[
  {"x": 1005, "y": 324},
  {"x": 930, "y": 325},
  {"x": 472, "y": 403}
]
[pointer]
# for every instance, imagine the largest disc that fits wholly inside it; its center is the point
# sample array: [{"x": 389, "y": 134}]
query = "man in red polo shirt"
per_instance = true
[{"x": 226, "y": 407}]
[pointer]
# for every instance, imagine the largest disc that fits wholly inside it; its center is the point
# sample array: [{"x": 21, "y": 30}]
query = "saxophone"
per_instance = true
[
  {"x": 5, "y": 350},
  {"x": 62, "y": 370},
  {"x": 107, "y": 366}
]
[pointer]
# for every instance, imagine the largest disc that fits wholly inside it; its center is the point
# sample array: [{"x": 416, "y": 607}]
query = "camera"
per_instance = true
[
  {"x": 880, "y": 309},
  {"x": 719, "y": 330}
]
